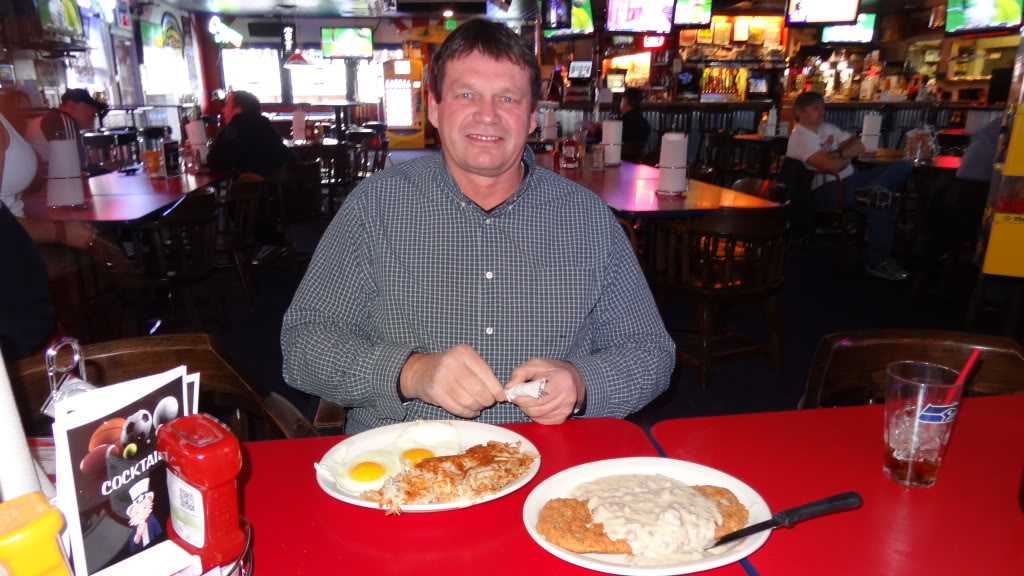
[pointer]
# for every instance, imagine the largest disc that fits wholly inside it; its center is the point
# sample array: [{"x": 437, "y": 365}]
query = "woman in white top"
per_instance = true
[{"x": 20, "y": 165}]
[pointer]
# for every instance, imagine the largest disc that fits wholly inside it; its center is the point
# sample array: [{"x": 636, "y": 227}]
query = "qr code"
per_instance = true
[{"x": 187, "y": 500}]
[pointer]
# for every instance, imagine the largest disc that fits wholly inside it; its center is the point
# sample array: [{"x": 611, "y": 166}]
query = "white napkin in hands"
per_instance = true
[{"x": 533, "y": 389}]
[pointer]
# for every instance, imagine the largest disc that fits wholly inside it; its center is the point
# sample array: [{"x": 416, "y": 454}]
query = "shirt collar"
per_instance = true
[{"x": 453, "y": 190}]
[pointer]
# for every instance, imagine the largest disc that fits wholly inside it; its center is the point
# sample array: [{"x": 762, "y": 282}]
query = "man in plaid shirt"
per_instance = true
[{"x": 447, "y": 279}]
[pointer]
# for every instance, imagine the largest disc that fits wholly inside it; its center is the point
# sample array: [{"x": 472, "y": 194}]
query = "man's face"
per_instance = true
[
  {"x": 229, "y": 110},
  {"x": 84, "y": 114},
  {"x": 813, "y": 115},
  {"x": 484, "y": 115}
]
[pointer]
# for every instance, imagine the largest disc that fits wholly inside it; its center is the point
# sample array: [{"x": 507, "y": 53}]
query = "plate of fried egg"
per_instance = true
[
  {"x": 648, "y": 516},
  {"x": 357, "y": 468}
]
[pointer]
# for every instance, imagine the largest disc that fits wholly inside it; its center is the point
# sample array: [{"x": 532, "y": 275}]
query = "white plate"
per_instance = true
[
  {"x": 470, "y": 434},
  {"x": 559, "y": 486}
]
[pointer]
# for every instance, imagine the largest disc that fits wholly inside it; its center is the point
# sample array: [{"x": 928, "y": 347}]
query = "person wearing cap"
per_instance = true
[{"x": 77, "y": 112}]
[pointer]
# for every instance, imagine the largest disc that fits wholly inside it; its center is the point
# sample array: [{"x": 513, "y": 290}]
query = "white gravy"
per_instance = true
[{"x": 664, "y": 520}]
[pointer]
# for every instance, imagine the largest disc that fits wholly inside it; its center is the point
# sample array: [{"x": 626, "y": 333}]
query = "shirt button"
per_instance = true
[
  {"x": 489, "y": 330},
  {"x": 489, "y": 275},
  {"x": 488, "y": 221}
]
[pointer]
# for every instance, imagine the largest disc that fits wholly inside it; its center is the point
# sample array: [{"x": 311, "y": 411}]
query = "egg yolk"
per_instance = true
[
  {"x": 415, "y": 455},
  {"x": 366, "y": 471}
]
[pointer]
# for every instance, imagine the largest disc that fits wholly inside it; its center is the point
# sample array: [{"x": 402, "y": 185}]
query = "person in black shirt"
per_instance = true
[
  {"x": 248, "y": 142},
  {"x": 635, "y": 129}
]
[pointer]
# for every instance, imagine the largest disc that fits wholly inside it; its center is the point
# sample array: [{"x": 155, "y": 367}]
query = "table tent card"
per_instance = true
[{"x": 111, "y": 482}]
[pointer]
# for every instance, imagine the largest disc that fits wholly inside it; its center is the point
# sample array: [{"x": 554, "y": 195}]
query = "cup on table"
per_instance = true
[
  {"x": 570, "y": 159},
  {"x": 921, "y": 402}
]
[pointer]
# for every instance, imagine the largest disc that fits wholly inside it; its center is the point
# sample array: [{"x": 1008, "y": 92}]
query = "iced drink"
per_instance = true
[{"x": 921, "y": 402}]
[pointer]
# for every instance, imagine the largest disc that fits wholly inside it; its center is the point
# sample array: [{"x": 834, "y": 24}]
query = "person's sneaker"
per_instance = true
[
  {"x": 266, "y": 254},
  {"x": 888, "y": 270},
  {"x": 874, "y": 195}
]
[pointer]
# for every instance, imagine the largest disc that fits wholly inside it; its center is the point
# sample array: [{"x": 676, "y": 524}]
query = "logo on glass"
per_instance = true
[{"x": 938, "y": 414}]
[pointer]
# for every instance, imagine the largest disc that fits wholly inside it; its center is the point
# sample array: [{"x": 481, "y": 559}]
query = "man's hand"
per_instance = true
[
  {"x": 457, "y": 379},
  {"x": 565, "y": 390},
  {"x": 79, "y": 234}
]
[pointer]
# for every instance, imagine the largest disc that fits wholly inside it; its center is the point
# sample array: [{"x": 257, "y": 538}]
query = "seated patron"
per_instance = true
[
  {"x": 446, "y": 280},
  {"x": 77, "y": 112},
  {"x": 827, "y": 148},
  {"x": 247, "y": 142},
  {"x": 635, "y": 128}
]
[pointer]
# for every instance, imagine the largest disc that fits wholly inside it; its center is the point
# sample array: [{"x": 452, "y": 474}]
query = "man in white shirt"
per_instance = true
[{"x": 827, "y": 148}]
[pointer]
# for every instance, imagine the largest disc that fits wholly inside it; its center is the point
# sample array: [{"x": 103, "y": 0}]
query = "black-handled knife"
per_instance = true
[{"x": 837, "y": 503}]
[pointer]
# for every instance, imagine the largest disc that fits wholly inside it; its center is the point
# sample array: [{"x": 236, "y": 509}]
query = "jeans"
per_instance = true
[{"x": 881, "y": 220}]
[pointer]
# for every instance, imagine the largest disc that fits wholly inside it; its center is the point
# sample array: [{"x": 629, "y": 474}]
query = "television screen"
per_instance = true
[
  {"x": 862, "y": 31},
  {"x": 693, "y": 13},
  {"x": 580, "y": 22},
  {"x": 748, "y": 7},
  {"x": 822, "y": 11},
  {"x": 60, "y": 18},
  {"x": 971, "y": 16},
  {"x": 580, "y": 69},
  {"x": 757, "y": 85},
  {"x": 346, "y": 42},
  {"x": 555, "y": 14},
  {"x": 640, "y": 16}
]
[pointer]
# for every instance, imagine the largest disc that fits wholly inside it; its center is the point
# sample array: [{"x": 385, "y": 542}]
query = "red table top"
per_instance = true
[
  {"x": 299, "y": 529},
  {"x": 969, "y": 522},
  {"x": 116, "y": 197},
  {"x": 629, "y": 189}
]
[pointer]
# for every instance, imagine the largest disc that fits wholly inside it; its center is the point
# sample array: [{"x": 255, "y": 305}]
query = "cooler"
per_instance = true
[{"x": 403, "y": 104}]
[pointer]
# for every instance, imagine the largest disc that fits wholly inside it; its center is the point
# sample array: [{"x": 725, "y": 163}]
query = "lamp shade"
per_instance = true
[{"x": 296, "y": 60}]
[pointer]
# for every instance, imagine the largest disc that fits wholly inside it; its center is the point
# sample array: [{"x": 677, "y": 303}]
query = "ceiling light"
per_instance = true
[{"x": 448, "y": 13}]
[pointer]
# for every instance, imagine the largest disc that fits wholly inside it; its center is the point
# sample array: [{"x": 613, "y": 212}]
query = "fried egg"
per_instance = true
[
  {"x": 426, "y": 439},
  {"x": 367, "y": 471}
]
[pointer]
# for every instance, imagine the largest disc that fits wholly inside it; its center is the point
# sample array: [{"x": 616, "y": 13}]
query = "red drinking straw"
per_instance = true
[
  {"x": 957, "y": 389},
  {"x": 968, "y": 366}
]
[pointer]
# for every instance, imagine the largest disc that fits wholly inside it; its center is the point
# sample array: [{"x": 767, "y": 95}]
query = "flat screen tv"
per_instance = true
[
  {"x": 580, "y": 69},
  {"x": 812, "y": 12},
  {"x": 862, "y": 31},
  {"x": 693, "y": 13},
  {"x": 581, "y": 21},
  {"x": 748, "y": 7},
  {"x": 979, "y": 16},
  {"x": 346, "y": 42},
  {"x": 640, "y": 16},
  {"x": 60, "y": 21}
]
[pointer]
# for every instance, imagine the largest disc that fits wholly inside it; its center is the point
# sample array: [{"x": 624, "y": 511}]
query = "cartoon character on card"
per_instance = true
[{"x": 145, "y": 527}]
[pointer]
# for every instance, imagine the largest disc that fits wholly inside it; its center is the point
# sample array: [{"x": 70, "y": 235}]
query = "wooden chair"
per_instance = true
[
  {"x": 849, "y": 367},
  {"x": 798, "y": 180},
  {"x": 340, "y": 161},
  {"x": 239, "y": 209},
  {"x": 730, "y": 256},
  {"x": 720, "y": 163},
  {"x": 298, "y": 200},
  {"x": 251, "y": 413},
  {"x": 179, "y": 249},
  {"x": 761, "y": 188}
]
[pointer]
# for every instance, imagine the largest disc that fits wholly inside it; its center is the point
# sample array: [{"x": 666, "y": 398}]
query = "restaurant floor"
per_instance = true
[{"x": 822, "y": 295}]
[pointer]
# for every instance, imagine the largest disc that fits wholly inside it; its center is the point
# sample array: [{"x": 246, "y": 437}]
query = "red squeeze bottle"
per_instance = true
[{"x": 203, "y": 459}]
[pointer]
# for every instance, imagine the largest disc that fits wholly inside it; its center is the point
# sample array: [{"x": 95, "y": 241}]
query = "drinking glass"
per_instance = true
[{"x": 921, "y": 402}]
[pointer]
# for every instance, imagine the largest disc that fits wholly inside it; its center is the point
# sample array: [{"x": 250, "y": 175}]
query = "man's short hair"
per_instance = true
[
  {"x": 82, "y": 95},
  {"x": 247, "y": 102},
  {"x": 492, "y": 39},
  {"x": 634, "y": 96},
  {"x": 806, "y": 100}
]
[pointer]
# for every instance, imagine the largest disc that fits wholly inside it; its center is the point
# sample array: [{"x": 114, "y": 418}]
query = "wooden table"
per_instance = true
[
  {"x": 759, "y": 152},
  {"x": 298, "y": 529},
  {"x": 116, "y": 197},
  {"x": 939, "y": 163},
  {"x": 629, "y": 190},
  {"x": 969, "y": 522}
]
